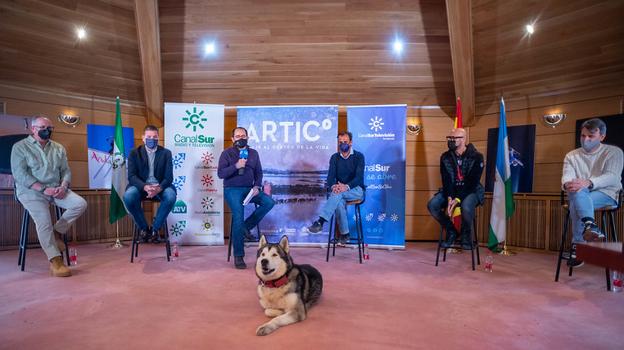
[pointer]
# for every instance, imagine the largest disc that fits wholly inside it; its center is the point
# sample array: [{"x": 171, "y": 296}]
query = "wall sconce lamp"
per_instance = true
[
  {"x": 69, "y": 119},
  {"x": 414, "y": 129},
  {"x": 553, "y": 120}
]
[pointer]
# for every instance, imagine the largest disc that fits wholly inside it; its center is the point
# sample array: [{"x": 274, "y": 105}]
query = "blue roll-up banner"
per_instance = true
[
  {"x": 294, "y": 144},
  {"x": 379, "y": 133}
]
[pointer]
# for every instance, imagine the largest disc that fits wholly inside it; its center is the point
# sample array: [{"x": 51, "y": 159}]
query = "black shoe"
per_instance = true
[
  {"x": 344, "y": 239},
  {"x": 574, "y": 262},
  {"x": 451, "y": 236},
  {"x": 155, "y": 237},
  {"x": 465, "y": 241},
  {"x": 144, "y": 235},
  {"x": 466, "y": 245},
  {"x": 316, "y": 227},
  {"x": 592, "y": 232},
  {"x": 248, "y": 236},
  {"x": 239, "y": 263}
]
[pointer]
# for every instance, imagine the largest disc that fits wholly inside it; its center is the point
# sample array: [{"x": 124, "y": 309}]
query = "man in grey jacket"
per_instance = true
[{"x": 592, "y": 176}]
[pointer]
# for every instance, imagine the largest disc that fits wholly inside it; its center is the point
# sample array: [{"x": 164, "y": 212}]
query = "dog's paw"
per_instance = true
[
  {"x": 273, "y": 312},
  {"x": 265, "y": 329}
]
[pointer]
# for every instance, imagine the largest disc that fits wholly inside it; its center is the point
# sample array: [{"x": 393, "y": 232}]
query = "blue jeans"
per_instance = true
[
  {"x": 437, "y": 207},
  {"x": 234, "y": 197},
  {"x": 582, "y": 205},
  {"x": 337, "y": 204},
  {"x": 132, "y": 198}
]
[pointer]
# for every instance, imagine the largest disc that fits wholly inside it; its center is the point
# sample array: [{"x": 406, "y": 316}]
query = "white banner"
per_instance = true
[{"x": 194, "y": 134}]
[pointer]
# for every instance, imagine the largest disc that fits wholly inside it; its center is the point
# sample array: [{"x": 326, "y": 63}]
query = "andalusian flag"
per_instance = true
[
  {"x": 502, "y": 198},
  {"x": 458, "y": 116},
  {"x": 120, "y": 175}
]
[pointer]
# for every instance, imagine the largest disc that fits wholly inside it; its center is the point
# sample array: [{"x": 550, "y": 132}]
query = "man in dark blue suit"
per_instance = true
[{"x": 150, "y": 175}]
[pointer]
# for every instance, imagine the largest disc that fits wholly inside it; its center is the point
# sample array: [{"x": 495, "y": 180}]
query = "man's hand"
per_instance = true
[
  {"x": 151, "y": 190},
  {"x": 339, "y": 188},
  {"x": 60, "y": 192},
  {"x": 452, "y": 203},
  {"x": 50, "y": 191},
  {"x": 256, "y": 191},
  {"x": 241, "y": 163},
  {"x": 576, "y": 185}
]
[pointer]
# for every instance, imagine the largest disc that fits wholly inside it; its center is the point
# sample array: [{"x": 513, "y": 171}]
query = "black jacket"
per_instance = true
[
  {"x": 472, "y": 168},
  {"x": 138, "y": 167}
]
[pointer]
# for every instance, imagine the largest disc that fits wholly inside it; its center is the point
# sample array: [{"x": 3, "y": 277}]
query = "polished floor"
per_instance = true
[{"x": 396, "y": 300}]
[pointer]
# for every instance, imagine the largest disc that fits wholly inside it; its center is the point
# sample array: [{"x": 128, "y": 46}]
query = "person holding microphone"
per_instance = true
[{"x": 241, "y": 171}]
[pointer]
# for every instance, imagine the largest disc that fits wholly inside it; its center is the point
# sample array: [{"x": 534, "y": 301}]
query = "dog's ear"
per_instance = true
[
  {"x": 262, "y": 242},
  {"x": 284, "y": 243}
]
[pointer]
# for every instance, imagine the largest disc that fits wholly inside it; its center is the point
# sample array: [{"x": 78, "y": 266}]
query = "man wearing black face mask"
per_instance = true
[
  {"x": 346, "y": 181},
  {"x": 42, "y": 175},
  {"x": 461, "y": 168},
  {"x": 150, "y": 175},
  {"x": 241, "y": 171}
]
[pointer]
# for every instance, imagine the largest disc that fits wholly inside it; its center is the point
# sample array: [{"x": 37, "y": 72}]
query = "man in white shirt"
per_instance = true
[{"x": 592, "y": 176}]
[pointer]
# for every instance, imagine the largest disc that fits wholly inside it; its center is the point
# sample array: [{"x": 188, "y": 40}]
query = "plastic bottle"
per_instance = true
[
  {"x": 616, "y": 281},
  {"x": 366, "y": 255},
  {"x": 489, "y": 263},
  {"x": 176, "y": 252},
  {"x": 73, "y": 256}
]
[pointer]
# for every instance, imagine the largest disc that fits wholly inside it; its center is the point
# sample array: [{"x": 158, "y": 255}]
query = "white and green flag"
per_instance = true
[
  {"x": 502, "y": 198},
  {"x": 119, "y": 178}
]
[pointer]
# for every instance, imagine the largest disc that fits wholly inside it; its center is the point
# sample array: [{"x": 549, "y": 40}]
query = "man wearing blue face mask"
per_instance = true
[
  {"x": 592, "y": 178},
  {"x": 345, "y": 179},
  {"x": 150, "y": 175}
]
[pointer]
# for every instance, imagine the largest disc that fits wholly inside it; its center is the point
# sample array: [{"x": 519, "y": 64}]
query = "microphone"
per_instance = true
[{"x": 242, "y": 154}]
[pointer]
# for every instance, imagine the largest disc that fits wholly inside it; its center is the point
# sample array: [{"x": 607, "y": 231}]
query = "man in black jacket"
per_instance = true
[
  {"x": 150, "y": 175},
  {"x": 461, "y": 168}
]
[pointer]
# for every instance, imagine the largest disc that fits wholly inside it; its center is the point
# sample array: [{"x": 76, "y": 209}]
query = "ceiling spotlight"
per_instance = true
[
  {"x": 81, "y": 33},
  {"x": 529, "y": 29},
  {"x": 397, "y": 46},
  {"x": 210, "y": 49}
]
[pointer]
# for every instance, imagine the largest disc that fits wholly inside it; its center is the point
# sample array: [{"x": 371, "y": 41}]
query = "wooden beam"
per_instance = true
[
  {"x": 146, "y": 15},
  {"x": 459, "y": 17}
]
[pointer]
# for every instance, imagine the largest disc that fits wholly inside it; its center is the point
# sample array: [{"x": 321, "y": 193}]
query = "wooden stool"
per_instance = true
[
  {"x": 136, "y": 236},
  {"x": 359, "y": 239}
]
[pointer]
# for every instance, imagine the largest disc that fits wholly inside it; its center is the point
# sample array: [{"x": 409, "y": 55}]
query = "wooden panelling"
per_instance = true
[
  {"x": 576, "y": 46},
  {"x": 39, "y": 48},
  {"x": 303, "y": 52}
]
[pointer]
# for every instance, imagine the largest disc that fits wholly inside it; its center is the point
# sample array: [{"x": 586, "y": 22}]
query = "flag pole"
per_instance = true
[
  {"x": 117, "y": 243},
  {"x": 505, "y": 251}
]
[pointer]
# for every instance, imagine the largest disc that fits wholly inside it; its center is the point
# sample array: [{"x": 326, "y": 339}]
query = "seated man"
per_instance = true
[
  {"x": 346, "y": 181},
  {"x": 592, "y": 178},
  {"x": 42, "y": 175},
  {"x": 150, "y": 175},
  {"x": 241, "y": 171},
  {"x": 461, "y": 168}
]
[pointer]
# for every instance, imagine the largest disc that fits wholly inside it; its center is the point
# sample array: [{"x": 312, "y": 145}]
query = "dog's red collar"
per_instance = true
[{"x": 275, "y": 283}]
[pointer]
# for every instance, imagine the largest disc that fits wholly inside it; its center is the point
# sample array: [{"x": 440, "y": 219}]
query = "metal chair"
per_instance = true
[
  {"x": 359, "y": 239},
  {"x": 23, "y": 239},
  {"x": 136, "y": 236},
  {"x": 229, "y": 253},
  {"x": 474, "y": 244},
  {"x": 607, "y": 225}
]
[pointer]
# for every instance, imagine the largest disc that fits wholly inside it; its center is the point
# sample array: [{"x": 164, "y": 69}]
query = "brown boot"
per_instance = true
[
  {"x": 60, "y": 244},
  {"x": 57, "y": 268}
]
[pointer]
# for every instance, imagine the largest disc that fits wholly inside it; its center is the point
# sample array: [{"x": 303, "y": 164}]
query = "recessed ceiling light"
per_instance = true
[
  {"x": 397, "y": 46},
  {"x": 210, "y": 49},
  {"x": 81, "y": 33},
  {"x": 529, "y": 29}
]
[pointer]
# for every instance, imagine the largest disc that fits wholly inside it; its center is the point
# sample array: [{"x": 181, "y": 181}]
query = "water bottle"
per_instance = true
[
  {"x": 489, "y": 262},
  {"x": 616, "y": 281},
  {"x": 176, "y": 252},
  {"x": 73, "y": 256},
  {"x": 366, "y": 255}
]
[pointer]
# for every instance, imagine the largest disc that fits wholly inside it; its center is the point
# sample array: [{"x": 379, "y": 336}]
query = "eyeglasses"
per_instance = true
[
  {"x": 453, "y": 138},
  {"x": 43, "y": 127}
]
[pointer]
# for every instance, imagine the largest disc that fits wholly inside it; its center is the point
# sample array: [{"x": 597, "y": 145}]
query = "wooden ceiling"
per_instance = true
[
  {"x": 577, "y": 45},
  {"x": 310, "y": 52},
  {"x": 39, "y": 49}
]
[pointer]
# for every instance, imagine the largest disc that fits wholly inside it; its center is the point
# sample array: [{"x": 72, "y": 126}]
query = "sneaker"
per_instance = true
[
  {"x": 316, "y": 227},
  {"x": 248, "y": 236},
  {"x": 574, "y": 262},
  {"x": 145, "y": 235},
  {"x": 239, "y": 263},
  {"x": 344, "y": 239},
  {"x": 592, "y": 233},
  {"x": 155, "y": 236},
  {"x": 451, "y": 236}
]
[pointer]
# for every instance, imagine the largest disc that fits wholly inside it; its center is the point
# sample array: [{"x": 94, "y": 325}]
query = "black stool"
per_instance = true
[
  {"x": 136, "y": 236},
  {"x": 474, "y": 244},
  {"x": 23, "y": 239},
  {"x": 607, "y": 225},
  {"x": 229, "y": 254},
  {"x": 359, "y": 239}
]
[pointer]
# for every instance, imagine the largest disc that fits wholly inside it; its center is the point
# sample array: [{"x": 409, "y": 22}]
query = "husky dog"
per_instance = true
[{"x": 286, "y": 290}]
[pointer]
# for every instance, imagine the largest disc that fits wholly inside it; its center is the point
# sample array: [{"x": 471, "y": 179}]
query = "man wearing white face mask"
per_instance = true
[
  {"x": 150, "y": 175},
  {"x": 592, "y": 179}
]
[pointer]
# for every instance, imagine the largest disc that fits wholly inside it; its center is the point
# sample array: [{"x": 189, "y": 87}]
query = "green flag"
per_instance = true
[{"x": 119, "y": 178}]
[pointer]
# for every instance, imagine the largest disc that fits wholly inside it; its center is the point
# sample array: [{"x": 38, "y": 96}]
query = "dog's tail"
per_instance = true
[{"x": 314, "y": 286}]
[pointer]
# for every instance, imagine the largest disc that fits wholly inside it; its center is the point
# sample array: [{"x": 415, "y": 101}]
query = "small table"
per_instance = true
[{"x": 606, "y": 254}]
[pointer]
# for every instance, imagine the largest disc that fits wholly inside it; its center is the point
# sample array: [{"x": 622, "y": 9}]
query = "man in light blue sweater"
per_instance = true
[{"x": 592, "y": 176}]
